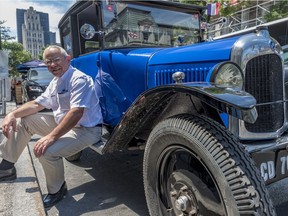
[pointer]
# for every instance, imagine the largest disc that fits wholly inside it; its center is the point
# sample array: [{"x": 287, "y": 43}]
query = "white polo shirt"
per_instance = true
[{"x": 73, "y": 89}]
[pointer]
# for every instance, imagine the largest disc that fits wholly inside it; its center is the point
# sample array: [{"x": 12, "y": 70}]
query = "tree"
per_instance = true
[
  {"x": 40, "y": 55},
  {"x": 227, "y": 8},
  {"x": 200, "y": 3},
  {"x": 4, "y": 33},
  {"x": 277, "y": 11},
  {"x": 17, "y": 55}
]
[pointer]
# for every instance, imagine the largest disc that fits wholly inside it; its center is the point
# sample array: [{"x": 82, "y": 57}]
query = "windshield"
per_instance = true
[
  {"x": 130, "y": 24},
  {"x": 40, "y": 74}
]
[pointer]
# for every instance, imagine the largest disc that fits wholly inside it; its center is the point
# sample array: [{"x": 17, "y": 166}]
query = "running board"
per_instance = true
[{"x": 99, "y": 146}]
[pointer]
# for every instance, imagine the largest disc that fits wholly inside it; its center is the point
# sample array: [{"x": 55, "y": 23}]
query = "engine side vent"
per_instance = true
[{"x": 197, "y": 74}]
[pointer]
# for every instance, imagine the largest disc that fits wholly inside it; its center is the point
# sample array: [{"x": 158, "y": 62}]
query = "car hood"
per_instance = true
[
  {"x": 206, "y": 51},
  {"x": 39, "y": 82}
]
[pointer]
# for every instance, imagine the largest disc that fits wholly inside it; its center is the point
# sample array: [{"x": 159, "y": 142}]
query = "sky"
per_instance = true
[{"x": 55, "y": 9}]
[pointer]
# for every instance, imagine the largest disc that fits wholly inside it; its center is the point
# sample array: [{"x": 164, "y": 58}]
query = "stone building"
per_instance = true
[{"x": 33, "y": 30}]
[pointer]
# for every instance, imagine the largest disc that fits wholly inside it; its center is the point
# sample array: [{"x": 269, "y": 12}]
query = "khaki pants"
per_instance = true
[{"x": 72, "y": 142}]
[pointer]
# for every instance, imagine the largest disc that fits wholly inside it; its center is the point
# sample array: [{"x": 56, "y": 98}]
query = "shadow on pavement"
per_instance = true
[{"x": 109, "y": 184}]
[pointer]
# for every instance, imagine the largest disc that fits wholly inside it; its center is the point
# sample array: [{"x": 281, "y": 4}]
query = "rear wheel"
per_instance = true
[{"x": 193, "y": 166}]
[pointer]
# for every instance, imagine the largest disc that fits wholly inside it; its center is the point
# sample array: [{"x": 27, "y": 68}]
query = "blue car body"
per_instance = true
[
  {"x": 200, "y": 110},
  {"x": 143, "y": 68}
]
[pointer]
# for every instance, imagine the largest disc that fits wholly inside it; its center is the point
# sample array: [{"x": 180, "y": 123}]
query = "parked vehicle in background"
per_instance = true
[
  {"x": 35, "y": 83},
  {"x": 212, "y": 125}
]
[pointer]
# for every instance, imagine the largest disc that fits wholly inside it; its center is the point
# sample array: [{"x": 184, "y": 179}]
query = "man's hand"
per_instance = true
[
  {"x": 67, "y": 123},
  {"x": 42, "y": 144},
  {"x": 26, "y": 109},
  {"x": 9, "y": 123}
]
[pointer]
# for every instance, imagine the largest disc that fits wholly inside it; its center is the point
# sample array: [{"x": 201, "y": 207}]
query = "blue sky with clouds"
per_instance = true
[{"x": 55, "y": 9}]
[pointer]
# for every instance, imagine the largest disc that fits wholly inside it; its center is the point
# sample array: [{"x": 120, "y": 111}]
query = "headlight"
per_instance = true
[
  {"x": 227, "y": 75},
  {"x": 35, "y": 89}
]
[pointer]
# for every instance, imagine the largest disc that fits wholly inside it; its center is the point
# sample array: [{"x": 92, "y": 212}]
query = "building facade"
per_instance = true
[
  {"x": 33, "y": 30},
  {"x": 52, "y": 36}
]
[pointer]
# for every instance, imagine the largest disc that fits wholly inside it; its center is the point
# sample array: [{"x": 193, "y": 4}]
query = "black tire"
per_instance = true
[
  {"x": 194, "y": 166},
  {"x": 75, "y": 157}
]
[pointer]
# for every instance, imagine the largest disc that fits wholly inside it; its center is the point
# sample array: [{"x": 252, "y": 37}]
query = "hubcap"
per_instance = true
[
  {"x": 181, "y": 203},
  {"x": 183, "y": 200},
  {"x": 184, "y": 191}
]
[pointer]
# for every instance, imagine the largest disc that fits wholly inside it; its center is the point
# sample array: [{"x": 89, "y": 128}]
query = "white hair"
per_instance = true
[{"x": 63, "y": 51}]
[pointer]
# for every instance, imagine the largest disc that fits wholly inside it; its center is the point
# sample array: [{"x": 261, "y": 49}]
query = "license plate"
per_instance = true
[{"x": 273, "y": 166}]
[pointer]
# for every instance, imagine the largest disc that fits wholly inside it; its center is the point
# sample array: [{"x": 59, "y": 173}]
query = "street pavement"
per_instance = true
[
  {"x": 105, "y": 185},
  {"x": 98, "y": 185},
  {"x": 23, "y": 197}
]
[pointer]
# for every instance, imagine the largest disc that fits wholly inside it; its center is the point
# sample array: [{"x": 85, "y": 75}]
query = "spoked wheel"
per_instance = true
[
  {"x": 194, "y": 166},
  {"x": 190, "y": 195}
]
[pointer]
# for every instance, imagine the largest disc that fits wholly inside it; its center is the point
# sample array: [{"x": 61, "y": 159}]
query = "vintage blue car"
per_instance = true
[{"x": 210, "y": 116}]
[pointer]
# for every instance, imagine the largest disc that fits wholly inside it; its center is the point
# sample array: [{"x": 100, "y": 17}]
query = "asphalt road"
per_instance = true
[
  {"x": 103, "y": 185},
  {"x": 106, "y": 185},
  {"x": 99, "y": 185}
]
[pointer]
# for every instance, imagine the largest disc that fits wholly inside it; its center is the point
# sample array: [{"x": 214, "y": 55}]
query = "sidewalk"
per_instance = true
[{"x": 23, "y": 196}]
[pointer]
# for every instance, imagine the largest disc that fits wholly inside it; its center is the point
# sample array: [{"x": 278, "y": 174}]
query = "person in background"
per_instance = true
[
  {"x": 75, "y": 124},
  {"x": 13, "y": 86}
]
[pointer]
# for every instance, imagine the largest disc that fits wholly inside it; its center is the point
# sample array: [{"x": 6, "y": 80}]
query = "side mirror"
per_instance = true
[{"x": 87, "y": 31}]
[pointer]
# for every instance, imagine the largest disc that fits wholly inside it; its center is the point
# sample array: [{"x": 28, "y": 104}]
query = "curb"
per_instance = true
[
  {"x": 27, "y": 199},
  {"x": 22, "y": 196}
]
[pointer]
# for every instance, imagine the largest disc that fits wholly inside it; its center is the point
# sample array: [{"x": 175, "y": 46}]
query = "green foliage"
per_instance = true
[
  {"x": 200, "y": 3},
  {"x": 278, "y": 11},
  {"x": 17, "y": 55},
  {"x": 40, "y": 55},
  {"x": 227, "y": 8},
  {"x": 4, "y": 33}
]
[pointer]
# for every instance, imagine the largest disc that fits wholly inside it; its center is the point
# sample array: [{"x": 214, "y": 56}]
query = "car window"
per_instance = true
[{"x": 40, "y": 74}]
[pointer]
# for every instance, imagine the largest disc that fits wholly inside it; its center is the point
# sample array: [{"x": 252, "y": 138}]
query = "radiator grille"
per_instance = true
[{"x": 264, "y": 80}]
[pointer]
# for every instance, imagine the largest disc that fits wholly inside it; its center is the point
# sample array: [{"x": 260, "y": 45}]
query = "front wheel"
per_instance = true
[{"x": 194, "y": 166}]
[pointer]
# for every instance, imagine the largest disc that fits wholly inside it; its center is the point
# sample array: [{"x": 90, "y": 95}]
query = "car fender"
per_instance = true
[{"x": 149, "y": 107}]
